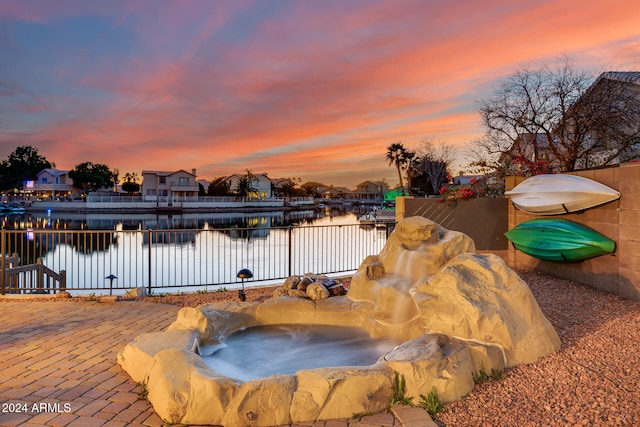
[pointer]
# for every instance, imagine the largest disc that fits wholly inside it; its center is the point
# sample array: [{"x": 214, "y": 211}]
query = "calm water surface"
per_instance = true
[
  {"x": 172, "y": 253},
  {"x": 261, "y": 351}
]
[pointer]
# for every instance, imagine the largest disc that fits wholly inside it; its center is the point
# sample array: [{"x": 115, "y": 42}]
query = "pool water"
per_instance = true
[{"x": 261, "y": 351}]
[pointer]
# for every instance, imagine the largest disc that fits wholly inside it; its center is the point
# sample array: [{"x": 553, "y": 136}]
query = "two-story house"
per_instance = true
[
  {"x": 338, "y": 193},
  {"x": 51, "y": 183},
  {"x": 371, "y": 191},
  {"x": 162, "y": 186},
  {"x": 260, "y": 183}
]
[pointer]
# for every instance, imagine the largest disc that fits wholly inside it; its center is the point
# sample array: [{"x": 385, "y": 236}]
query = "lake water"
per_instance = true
[
  {"x": 138, "y": 221},
  {"x": 191, "y": 251}
]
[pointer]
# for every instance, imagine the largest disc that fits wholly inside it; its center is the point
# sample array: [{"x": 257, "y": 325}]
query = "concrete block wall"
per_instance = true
[{"x": 618, "y": 273}]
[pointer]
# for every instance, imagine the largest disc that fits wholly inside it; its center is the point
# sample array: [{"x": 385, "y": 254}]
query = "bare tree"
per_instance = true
[
  {"x": 433, "y": 161},
  {"x": 559, "y": 115}
]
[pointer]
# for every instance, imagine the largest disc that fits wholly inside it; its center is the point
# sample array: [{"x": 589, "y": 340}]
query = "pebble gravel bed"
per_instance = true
[{"x": 594, "y": 379}]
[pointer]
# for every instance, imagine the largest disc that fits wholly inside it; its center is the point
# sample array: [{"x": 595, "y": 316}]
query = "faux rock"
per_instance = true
[{"x": 457, "y": 312}]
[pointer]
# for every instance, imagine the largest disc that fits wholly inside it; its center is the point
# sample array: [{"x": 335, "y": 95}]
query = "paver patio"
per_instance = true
[{"x": 58, "y": 366}]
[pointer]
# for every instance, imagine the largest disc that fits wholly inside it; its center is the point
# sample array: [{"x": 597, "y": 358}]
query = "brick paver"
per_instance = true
[{"x": 58, "y": 366}]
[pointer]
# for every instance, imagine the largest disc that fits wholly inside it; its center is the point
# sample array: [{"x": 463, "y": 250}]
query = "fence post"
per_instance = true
[
  {"x": 290, "y": 248},
  {"x": 149, "y": 262},
  {"x": 3, "y": 261},
  {"x": 62, "y": 284},
  {"x": 40, "y": 275}
]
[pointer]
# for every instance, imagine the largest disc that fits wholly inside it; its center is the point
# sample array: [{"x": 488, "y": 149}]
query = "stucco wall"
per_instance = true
[
  {"x": 482, "y": 219},
  {"x": 618, "y": 273}
]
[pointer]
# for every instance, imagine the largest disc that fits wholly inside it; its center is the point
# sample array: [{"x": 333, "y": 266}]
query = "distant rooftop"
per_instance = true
[{"x": 54, "y": 172}]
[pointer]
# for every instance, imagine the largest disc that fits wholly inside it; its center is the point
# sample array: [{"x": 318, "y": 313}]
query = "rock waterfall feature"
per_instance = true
[{"x": 456, "y": 313}]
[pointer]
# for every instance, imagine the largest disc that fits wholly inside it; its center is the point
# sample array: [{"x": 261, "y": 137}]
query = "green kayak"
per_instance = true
[{"x": 559, "y": 240}]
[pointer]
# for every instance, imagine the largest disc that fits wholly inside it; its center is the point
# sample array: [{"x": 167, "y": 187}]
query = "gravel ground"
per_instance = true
[{"x": 592, "y": 381}]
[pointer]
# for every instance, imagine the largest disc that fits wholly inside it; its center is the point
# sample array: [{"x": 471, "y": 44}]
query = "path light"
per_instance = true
[
  {"x": 111, "y": 277},
  {"x": 245, "y": 273}
]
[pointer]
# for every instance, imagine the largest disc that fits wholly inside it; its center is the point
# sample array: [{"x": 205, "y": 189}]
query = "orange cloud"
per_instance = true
[{"x": 316, "y": 90}]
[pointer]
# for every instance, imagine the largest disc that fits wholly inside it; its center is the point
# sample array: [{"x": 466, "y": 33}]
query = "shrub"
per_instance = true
[
  {"x": 431, "y": 403},
  {"x": 399, "y": 394},
  {"x": 476, "y": 188}
]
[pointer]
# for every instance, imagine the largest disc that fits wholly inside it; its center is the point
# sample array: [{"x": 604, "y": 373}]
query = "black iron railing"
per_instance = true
[{"x": 179, "y": 260}]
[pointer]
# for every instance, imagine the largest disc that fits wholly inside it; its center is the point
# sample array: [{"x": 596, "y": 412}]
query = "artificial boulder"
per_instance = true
[
  {"x": 477, "y": 297},
  {"x": 417, "y": 248},
  {"x": 429, "y": 279},
  {"x": 457, "y": 312}
]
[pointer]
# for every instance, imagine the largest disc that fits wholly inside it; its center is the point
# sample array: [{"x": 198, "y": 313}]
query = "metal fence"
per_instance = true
[{"x": 179, "y": 260}]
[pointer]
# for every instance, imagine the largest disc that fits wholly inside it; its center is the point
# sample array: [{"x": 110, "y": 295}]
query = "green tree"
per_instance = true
[
  {"x": 23, "y": 164},
  {"x": 289, "y": 188},
  {"x": 92, "y": 176},
  {"x": 312, "y": 188},
  {"x": 131, "y": 183}
]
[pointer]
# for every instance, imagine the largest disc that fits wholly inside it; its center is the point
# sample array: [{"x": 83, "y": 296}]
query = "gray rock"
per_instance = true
[
  {"x": 337, "y": 290},
  {"x": 317, "y": 292},
  {"x": 138, "y": 292},
  {"x": 280, "y": 292},
  {"x": 306, "y": 281},
  {"x": 291, "y": 282}
]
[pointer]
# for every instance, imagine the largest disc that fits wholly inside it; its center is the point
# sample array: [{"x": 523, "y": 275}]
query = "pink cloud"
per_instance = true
[{"x": 308, "y": 89}]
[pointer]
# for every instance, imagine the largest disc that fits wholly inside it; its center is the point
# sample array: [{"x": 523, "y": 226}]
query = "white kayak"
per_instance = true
[{"x": 554, "y": 194}]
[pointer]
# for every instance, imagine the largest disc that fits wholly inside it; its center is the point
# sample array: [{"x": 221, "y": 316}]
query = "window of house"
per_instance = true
[
  {"x": 151, "y": 192},
  {"x": 44, "y": 179},
  {"x": 162, "y": 179},
  {"x": 163, "y": 193},
  {"x": 184, "y": 181}
]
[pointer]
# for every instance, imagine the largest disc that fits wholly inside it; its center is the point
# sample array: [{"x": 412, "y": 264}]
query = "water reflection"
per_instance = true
[
  {"x": 188, "y": 221},
  {"x": 190, "y": 249}
]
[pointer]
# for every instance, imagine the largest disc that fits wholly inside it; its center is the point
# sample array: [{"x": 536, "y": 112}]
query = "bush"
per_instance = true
[{"x": 476, "y": 188}]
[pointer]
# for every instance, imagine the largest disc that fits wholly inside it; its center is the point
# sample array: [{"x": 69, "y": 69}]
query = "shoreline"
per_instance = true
[{"x": 165, "y": 211}]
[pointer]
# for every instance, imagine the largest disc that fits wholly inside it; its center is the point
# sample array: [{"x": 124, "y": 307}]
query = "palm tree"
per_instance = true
[
  {"x": 397, "y": 155},
  {"x": 245, "y": 186}
]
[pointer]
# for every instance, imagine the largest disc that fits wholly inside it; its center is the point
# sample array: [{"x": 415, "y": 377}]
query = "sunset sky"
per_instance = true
[{"x": 309, "y": 89}]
